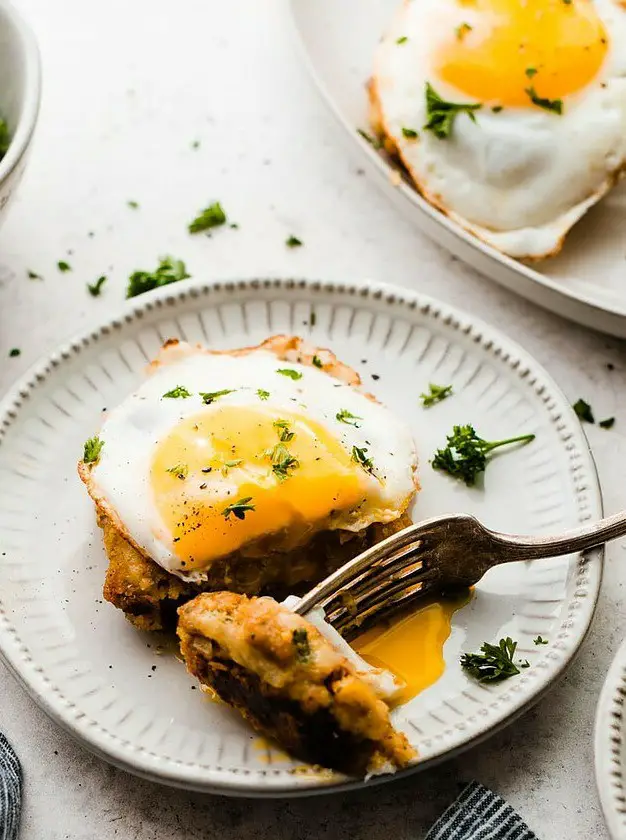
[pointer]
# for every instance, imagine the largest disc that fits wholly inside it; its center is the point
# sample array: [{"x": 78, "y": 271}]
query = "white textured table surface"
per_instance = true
[{"x": 128, "y": 88}]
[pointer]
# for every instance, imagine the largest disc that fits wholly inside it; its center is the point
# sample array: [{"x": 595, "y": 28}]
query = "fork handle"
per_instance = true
[{"x": 578, "y": 539}]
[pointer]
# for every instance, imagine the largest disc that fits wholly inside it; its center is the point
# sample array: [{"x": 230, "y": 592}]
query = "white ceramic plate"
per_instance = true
[
  {"x": 610, "y": 746},
  {"x": 584, "y": 283},
  {"x": 94, "y": 673}
]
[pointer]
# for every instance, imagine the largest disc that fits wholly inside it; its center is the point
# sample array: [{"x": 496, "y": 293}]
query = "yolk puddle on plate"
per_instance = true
[{"x": 411, "y": 644}]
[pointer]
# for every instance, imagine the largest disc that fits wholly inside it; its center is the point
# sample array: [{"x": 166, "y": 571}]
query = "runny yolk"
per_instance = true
[
  {"x": 411, "y": 645},
  {"x": 212, "y": 461},
  {"x": 498, "y": 50}
]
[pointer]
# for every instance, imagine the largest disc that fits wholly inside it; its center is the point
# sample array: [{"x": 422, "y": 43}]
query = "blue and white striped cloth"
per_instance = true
[
  {"x": 10, "y": 791},
  {"x": 477, "y": 814},
  {"x": 480, "y": 814}
]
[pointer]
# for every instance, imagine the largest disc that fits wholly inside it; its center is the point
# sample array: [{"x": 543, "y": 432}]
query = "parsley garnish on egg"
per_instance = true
[
  {"x": 290, "y": 372},
  {"x": 209, "y": 397},
  {"x": 540, "y": 641},
  {"x": 261, "y": 394},
  {"x": 465, "y": 455},
  {"x": 284, "y": 432},
  {"x": 317, "y": 362},
  {"x": 402, "y": 39},
  {"x": 301, "y": 645},
  {"x": 63, "y": 266},
  {"x": 179, "y": 470},
  {"x": 170, "y": 270},
  {"x": 409, "y": 133},
  {"x": 608, "y": 423},
  {"x": 437, "y": 393},
  {"x": 14, "y": 351},
  {"x": 373, "y": 141},
  {"x": 239, "y": 508},
  {"x": 92, "y": 450},
  {"x": 494, "y": 663},
  {"x": 360, "y": 457},
  {"x": 177, "y": 393},
  {"x": 555, "y": 105},
  {"x": 441, "y": 114},
  {"x": 293, "y": 242},
  {"x": 462, "y": 30},
  {"x": 212, "y": 216},
  {"x": 95, "y": 289},
  {"x": 345, "y": 416},
  {"x": 5, "y": 138},
  {"x": 584, "y": 411},
  {"x": 282, "y": 461}
]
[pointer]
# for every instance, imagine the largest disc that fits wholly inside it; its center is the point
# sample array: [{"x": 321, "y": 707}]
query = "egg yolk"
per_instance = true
[
  {"x": 411, "y": 645},
  {"x": 234, "y": 475},
  {"x": 508, "y": 52}
]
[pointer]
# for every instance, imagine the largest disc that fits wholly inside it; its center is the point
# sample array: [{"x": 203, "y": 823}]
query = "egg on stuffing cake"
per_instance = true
[
  {"x": 218, "y": 452},
  {"x": 509, "y": 115}
]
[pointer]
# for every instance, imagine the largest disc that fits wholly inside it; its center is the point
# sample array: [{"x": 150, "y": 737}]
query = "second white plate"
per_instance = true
[
  {"x": 105, "y": 682},
  {"x": 584, "y": 283}
]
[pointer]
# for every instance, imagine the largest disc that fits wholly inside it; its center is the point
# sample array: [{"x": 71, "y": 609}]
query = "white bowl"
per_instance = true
[{"x": 20, "y": 93}]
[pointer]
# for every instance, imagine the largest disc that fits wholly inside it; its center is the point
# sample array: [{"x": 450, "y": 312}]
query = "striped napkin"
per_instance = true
[
  {"x": 477, "y": 814},
  {"x": 10, "y": 791},
  {"x": 480, "y": 814}
]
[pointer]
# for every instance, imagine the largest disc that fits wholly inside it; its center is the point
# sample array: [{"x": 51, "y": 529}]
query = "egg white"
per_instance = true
[
  {"x": 518, "y": 179},
  {"x": 120, "y": 480}
]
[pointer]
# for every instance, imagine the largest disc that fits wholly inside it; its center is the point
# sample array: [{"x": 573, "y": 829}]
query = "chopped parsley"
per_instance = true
[
  {"x": 555, "y": 105},
  {"x": 15, "y": 351},
  {"x": 177, "y": 393},
  {"x": 540, "y": 641},
  {"x": 179, "y": 470},
  {"x": 284, "y": 433},
  {"x": 465, "y": 455},
  {"x": 530, "y": 72},
  {"x": 282, "y": 461},
  {"x": 134, "y": 205},
  {"x": 584, "y": 412},
  {"x": 63, "y": 266},
  {"x": 212, "y": 216},
  {"x": 293, "y": 242},
  {"x": 437, "y": 393},
  {"x": 210, "y": 396},
  {"x": 441, "y": 114},
  {"x": 290, "y": 372},
  {"x": 170, "y": 270},
  {"x": 92, "y": 450},
  {"x": 409, "y": 133},
  {"x": 312, "y": 318},
  {"x": 317, "y": 362},
  {"x": 5, "y": 139},
  {"x": 360, "y": 457},
  {"x": 239, "y": 509},
  {"x": 228, "y": 465},
  {"x": 373, "y": 141},
  {"x": 95, "y": 289},
  {"x": 497, "y": 108},
  {"x": 402, "y": 40},
  {"x": 345, "y": 416},
  {"x": 262, "y": 395},
  {"x": 494, "y": 663},
  {"x": 608, "y": 423},
  {"x": 195, "y": 144},
  {"x": 462, "y": 30},
  {"x": 32, "y": 275},
  {"x": 301, "y": 645}
]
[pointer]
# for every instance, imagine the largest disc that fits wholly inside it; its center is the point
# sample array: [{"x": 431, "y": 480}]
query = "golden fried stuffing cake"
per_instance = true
[
  {"x": 257, "y": 470},
  {"x": 289, "y": 682}
]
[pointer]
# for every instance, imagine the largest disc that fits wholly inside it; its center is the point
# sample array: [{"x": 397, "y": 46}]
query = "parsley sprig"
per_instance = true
[
  {"x": 95, "y": 289},
  {"x": 441, "y": 114},
  {"x": 555, "y": 105},
  {"x": 465, "y": 455},
  {"x": 345, "y": 416},
  {"x": 301, "y": 645},
  {"x": 209, "y": 397},
  {"x": 212, "y": 216},
  {"x": 359, "y": 455},
  {"x": 179, "y": 470},
  {"x": 437, "y": 393},
  {"x": 177, "y": 393},
  {"x": 170, "y": 270},
  {"x": 290, "y": 372},
  {"x": 494, "y": 663},
  {"x": 239, "y": 508},
  {"x": 282, "y": 461},
  {"x": 92, "y": 450}
]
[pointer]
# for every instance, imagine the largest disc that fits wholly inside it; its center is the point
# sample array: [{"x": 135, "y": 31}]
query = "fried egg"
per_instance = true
[
  {"x": 509, "y": 115},
  {"x": 218, "y": 453}
]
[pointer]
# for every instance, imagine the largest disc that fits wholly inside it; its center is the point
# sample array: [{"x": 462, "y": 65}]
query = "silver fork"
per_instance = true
[{"x": 434, "y": 557}]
